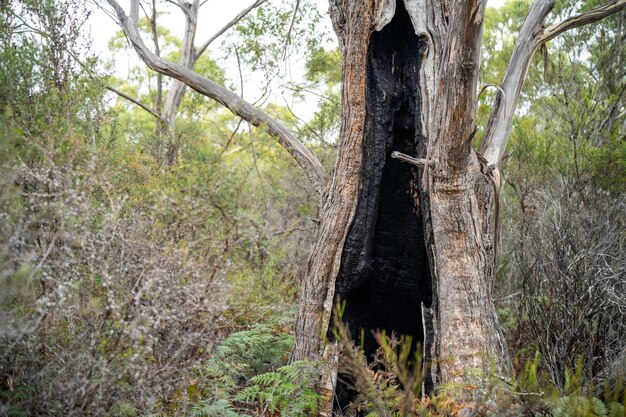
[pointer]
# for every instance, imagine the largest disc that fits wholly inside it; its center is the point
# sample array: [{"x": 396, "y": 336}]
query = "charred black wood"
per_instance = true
[{"x": 384, "y": 275}]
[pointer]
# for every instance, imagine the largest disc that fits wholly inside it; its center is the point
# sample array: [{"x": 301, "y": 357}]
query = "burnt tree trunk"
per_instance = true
[
  {"x": 394, "y": 237},
  {"x": 384, "y": 274}
]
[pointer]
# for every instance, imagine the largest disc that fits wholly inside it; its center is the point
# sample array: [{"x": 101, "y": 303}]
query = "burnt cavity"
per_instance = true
[{"x": 384, "y": 274}]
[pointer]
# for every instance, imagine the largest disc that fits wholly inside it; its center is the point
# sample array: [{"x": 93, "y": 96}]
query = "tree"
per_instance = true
[
  {"x": 409, "y": 216},
  {"x": 166, "y": 106}
]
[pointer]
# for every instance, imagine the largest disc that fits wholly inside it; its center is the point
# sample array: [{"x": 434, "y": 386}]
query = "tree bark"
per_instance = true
[{"x": 453, "y": 197}]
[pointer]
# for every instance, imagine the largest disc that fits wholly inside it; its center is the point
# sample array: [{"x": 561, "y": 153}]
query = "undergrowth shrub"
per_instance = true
[
  {"x": 287, "y": 391},
  {"x": 578, "y": 406},
  {"x": 572, "y": 281},
  {"x": 248, "y": 374},
  {"x": 111, "y": 298},
  {"x": 391, "y": 386},
  {"x": 119, "y": 277}
]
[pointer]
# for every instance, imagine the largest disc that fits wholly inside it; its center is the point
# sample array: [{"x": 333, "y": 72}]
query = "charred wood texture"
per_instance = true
[{"x": 384, "y": 275}]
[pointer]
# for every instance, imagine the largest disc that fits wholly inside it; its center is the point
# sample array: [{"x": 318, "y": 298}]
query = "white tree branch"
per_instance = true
[
  {"x": 190, "y": 55},
  {"x": 303, "y": 156},
  {"x": 582, "y": 19},
  {"x": 501, "y": 120},
  {"x": 188, "y": 60},
  {"x": 531, "y": 36},
  {"x": 134, "y": 11}
]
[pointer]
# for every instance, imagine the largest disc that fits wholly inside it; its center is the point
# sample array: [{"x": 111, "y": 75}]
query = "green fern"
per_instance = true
[
  {"x": 577, "y": 406},
  {"x": 219, "y": 408},
  {"x": 123, "y": 410},
  {"x": 287, "y": 390},
  {"x": 616, "y": 410},
  {"x": 233, "y": 365},
  {"x": 261, "y": 347}
]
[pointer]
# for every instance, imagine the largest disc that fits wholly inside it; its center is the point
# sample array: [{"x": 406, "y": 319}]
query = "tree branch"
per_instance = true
[
  {"x": 157, "y": 51},
  {"x": 180, "y": 5},
  {"x": 134, "y": 11},
  {"x": 501, "y": 119},
  {"x": 303, "y": 156},
  {"x": 582, "y": 19},
  {"x": 420, "y": 162},
  {"x": 137, "y": 102},
  {"x": 133, "y": 100},
  {"x": 531, "y": 36},
  {"x": 188, "y": 60},
  {"x": 228, "y": 25},
  {"x": 293, "y": 21}
]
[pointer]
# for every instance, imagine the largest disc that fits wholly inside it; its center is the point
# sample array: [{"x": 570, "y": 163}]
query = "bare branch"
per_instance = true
[
  {"x": 531, "y": 36},
  {"x": 228, "y": 25},
  {"x": 188, "y": 60},
  {"x": 157, "y": 51},
  {"x": 182, "y": 6},
  {"x": 501, "y": 120},
  {"x": 582, "y": 19},
  {"x": 293, "y": 21},
  {"x": 303, "y": 156},
  {"x": 175, "y": 3},
  {"x": 420, "y": 162},
  {"x": 486, "y": 86},
  {"x": 189, "y": 55},
  {"x": 137, "y": 102},
  {"x": 133, "y": 100}
]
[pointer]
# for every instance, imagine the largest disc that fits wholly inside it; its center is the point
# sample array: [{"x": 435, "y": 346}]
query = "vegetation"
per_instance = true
[{"x": 133, "y": 284}]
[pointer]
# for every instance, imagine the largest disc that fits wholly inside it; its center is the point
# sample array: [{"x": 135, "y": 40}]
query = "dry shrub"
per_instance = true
[
  {"x": 99, "y": 303},
  {"x": 570, "y": 264},
  {"x": 118, "y": 280}
]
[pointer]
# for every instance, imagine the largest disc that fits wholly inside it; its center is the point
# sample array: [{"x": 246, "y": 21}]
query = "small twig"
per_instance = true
[
  {"x": 228, "y": 25},
  {"x": 494, "y": 86},
  {"x": 288, "y": 37},
  {"x": 137, "y": 102},
  {"x": 507, "y": 297},
  {"x": 114, "y": 90},
  {"x": 232, "y": 135},
  {"x": 420, "y": 162}
]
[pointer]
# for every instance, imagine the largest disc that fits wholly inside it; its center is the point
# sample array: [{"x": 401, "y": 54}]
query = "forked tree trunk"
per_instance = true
[{"x": 409, "y": 85}]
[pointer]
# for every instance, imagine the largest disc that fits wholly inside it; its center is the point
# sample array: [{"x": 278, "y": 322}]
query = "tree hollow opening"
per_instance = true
[{"x": 384, "y": 274}]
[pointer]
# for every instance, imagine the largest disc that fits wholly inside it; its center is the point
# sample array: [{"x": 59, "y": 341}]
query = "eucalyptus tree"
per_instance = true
[
  {"x": 167, "y": 101},
  {"x": 408, "y": 218}
]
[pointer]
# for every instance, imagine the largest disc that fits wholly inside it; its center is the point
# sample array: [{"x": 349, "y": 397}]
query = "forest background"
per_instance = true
[{"x": 145, "y": 273}]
